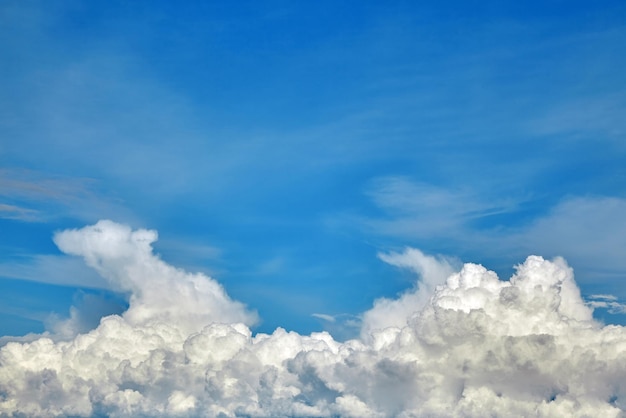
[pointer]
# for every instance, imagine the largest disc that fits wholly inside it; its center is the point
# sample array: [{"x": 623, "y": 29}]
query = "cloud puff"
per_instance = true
[
  {"x": 432, "y": 272},
  {"x": 158, "y": 291},
  {"x": 478, "y": 346}
]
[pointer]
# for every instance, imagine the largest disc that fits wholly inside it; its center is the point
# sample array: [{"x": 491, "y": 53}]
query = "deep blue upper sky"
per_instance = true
[{"x": 280, "y": 146}]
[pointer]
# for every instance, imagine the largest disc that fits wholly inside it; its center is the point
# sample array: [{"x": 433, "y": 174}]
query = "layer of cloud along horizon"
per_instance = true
[{"x": 460, "y": 344}]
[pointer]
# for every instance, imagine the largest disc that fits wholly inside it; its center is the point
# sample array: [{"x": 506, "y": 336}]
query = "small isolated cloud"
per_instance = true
[
  {"x": 325, "y": 317},
  {"x": 478, "y": 346},
  {"x": 608, "y": 302},
  {"x": 603, "y": 297}
]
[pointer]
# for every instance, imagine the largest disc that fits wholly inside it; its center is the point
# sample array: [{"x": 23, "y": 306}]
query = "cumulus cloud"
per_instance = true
[
  {"x": 431, "y": 271},
  {"x": 478, "y": 346},
  {"x": 158, "y": 292},
  {"x": 589, "y": 230}
]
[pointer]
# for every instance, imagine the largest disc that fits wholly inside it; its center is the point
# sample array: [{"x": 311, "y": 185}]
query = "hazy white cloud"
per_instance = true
[
  {"x": 54, "y": 269},
  {"x": 477, "y": 346},
  {"x": 31, "y": 185},
  {"x": 599, "y": 116},
  {"x": 18, "y": 213},
  {"x": 588, "y": 230},
  {"x": 34, "y": 196},
  {"x": 325, "y": 317},
  {"x": 414, "y": 209}
]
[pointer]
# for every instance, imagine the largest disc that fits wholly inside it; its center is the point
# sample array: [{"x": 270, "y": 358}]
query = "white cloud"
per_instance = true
[
  {"x": 588, "y": 230},
  {"x": 608, "y": 302},
  {"x": 35, "y": 196},
  {"x": 603, "y": 297},
  {"x": 59, "y": 270},
  {"x": 478, "y": 346},
  {"x": 325, "y": 317},
  {"x": 414, "y": 209},
  {"x": 432, "y": 271},
  {"x": 159, "y": 292},
  {"x": 599, "y": 116},
  {"x": 17, "y": 212}
]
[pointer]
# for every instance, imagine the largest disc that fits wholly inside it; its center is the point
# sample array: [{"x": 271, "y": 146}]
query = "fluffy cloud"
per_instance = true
[
  {"x": 432, "y": 272},
  {"x": 478, "y": 346},
  {"x": 159, "y": 293}
]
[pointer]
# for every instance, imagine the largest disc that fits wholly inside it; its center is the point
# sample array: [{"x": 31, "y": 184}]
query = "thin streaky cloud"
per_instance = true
[
  {"x": 52, "y": 269},
  {"x": 603, "y": 297},
  {"x": 18, "y": 213},
  {"x": 325, "y": 317},
  {"x": 38, "y": 196}
]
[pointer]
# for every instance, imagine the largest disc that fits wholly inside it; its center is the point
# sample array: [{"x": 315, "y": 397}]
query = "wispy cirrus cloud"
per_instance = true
[
  {"x": 18, "y": 213},
  {"x": 417, "y": 209},
  {"x": 32, "y": 185},
  {"x": 589, "y": 230},
  {"x": 35, "y": 196},
  {"x": 600, "y": 117},
  {"x": 52, "y": 269}
]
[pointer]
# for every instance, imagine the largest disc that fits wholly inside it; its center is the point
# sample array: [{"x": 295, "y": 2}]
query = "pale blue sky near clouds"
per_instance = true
[{"x": 279, "y": 147}]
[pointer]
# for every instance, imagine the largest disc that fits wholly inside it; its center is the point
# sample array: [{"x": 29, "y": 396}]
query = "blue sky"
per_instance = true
[{"x": 281, "y": 147}]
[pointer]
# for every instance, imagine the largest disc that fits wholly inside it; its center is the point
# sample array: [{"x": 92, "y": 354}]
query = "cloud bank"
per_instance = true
[{"x": 472, "y": 346}]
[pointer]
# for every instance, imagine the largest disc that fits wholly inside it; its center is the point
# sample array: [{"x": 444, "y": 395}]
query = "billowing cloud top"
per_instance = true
[
  {"x": 158, "y": 291},
  {"x": 477, "y": 346}
]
